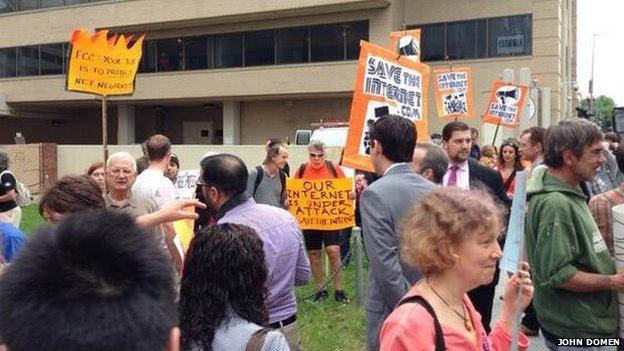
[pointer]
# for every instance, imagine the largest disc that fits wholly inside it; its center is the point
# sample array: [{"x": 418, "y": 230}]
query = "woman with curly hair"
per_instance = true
[
  {"x": 450, "y": 236},
  {"x": 223, "y": 292},
  {"x": 509, "y": 163}
]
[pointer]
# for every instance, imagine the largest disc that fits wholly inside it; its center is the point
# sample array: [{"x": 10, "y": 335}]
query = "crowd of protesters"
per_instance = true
[{"x": 110, "y": 273}]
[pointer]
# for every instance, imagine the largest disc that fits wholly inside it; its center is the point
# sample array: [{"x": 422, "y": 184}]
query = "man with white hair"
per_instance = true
[{"x": 121, "y": 172}]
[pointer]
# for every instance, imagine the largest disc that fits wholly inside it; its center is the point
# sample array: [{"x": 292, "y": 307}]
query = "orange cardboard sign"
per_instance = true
[
  {"x": 385, "y": 84},
  {"x": 321, "y": 204},
  {"x": 406, "y": 43},
  {"x": 103, "y": 66},
  {"x": 453, "y": 93},
  {"x": 505, "y": 103}
]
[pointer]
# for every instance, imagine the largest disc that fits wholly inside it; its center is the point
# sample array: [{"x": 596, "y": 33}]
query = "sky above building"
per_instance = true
[{"x": 601, "y": 21}]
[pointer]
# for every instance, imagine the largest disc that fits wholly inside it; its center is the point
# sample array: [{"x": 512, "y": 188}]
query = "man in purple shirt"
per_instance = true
[{"x": 223, "y": 181}]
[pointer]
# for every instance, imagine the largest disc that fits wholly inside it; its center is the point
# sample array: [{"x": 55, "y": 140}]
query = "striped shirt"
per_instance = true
[{"x": 600, "y": 206}]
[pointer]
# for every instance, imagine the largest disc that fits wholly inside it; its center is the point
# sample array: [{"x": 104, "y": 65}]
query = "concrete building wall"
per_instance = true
[
  {"x": 316, "y": 90},
  {"x": 261, "y": 120}
]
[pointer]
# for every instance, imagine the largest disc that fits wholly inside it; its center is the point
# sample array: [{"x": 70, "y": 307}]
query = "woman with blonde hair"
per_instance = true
[{"x": 451, "y": 237}]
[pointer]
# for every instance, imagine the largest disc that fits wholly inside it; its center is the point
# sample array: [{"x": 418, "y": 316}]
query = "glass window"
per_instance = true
[
  {"x": 510, "y": 36},
  {"x": 465, "y": 40},
  {"x": 74, "y": 2},
  {"x": 354, "y": 32},
  {"x": 51, "y": 59},
  {"x": 198, "y": 52},
  {"x": 7, "y": 6},
  {"x": 8, "y": 60},
  {"x": 260, "y": 48},
  {"x": 292, "y": 45},
  {"x": 148, "y": 59},
  {"x": 51, "y": 3},
  {"x": 229, "y": 50},
  {"x": 28, "y": 61},
  {"x": 24, "y": 5},
  {"x": 169, "y": 54},
  {"x": 327, "y": 43},
  {"x": 432, "y": 42}
]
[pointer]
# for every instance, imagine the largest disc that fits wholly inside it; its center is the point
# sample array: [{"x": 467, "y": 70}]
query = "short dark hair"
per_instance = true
[
  {"x": 72, "y": 194},
  {"x": 435, "y": 159},
  {"x": 158, "y": 146},
  {"x": 225, "y": 267},
  {"x": 575, "y": 135},
  {"x": 612, "y": 137},
  {"x": 451, "y": 127},
  {"x": 226, "y": 172},
  {"x": 94, "y": 282},
  {"x": 537, "y": 135},
  {"x": 397, "y": 136}
]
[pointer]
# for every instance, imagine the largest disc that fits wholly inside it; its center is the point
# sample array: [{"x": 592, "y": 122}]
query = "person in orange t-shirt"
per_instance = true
[{"x": 318, "y": 167}]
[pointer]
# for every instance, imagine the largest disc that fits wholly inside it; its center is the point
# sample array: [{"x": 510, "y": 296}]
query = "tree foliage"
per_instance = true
[{"x": 600, "y": 111}]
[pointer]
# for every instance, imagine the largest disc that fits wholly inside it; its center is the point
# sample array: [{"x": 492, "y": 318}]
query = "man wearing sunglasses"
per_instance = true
[{"x": 318, "y": 167}]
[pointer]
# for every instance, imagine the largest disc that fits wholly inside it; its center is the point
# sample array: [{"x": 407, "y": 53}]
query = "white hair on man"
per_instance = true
[
  {"x": 317, "y": 145},
  {"x": 122, "y": 155}
]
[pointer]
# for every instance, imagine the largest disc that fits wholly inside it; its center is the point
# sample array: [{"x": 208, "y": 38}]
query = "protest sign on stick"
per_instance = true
[
  {"x": 453, "y": 93},
  {"x": 321, "y": 204},
  {"x": 505, "y": 104},
  {"x": 406, "y": 43},
  {"x": 385, "y": 84},
  {"x": 103, "y": 66},
  {"x": 513, "y": 253}
]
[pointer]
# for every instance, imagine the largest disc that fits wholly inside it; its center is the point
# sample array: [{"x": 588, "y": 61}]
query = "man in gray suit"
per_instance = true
[{"x": 383, "y": 205}]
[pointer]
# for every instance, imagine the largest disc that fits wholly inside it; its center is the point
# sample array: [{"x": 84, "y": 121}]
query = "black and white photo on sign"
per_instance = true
[
  {"x": 508, "y": 95},
  {"x": 409, "y": 46},
  {"x": 455, "y": 103}
]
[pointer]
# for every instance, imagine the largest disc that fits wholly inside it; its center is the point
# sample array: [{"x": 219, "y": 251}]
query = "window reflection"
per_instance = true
[
  {"x": 260, "y": 48},
  {"x": 229, "y": 50},
  {"x": 52, "y": 59},
  {"x": 28, "y": 61},
  {"x": 292, "y": 45}
]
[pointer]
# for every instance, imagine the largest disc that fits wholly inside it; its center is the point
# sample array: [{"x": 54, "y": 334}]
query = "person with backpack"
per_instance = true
[
  {"x": 450, "y": 236},
  {"x": 8, "y": 192},
  {"x": 318, "y": 167},
  {"x": 267, "y": 183}
]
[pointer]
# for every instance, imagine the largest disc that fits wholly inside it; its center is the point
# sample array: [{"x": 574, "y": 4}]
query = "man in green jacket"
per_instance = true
[{"x": 574, "y": 274}]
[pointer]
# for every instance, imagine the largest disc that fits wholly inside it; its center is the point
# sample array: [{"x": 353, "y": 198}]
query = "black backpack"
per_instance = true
[{"x": 260, "y": 174}]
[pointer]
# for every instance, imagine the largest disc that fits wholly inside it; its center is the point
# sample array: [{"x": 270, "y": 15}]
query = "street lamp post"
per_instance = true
[{"x": 591, "y": 79}]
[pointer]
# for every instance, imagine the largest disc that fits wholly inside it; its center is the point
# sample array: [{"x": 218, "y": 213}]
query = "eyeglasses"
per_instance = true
[
  {"x": 202, "y": 184},
  {"x": 118, "y": 172},
  {"x": 313, "y": 155}
]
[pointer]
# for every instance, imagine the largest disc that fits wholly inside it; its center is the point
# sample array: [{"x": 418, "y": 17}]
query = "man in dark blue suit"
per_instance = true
[{"x": 467, "y": 173}]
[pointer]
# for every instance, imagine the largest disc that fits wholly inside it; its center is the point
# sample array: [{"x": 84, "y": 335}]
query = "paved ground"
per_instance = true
[{"x": 537, "y": 343}]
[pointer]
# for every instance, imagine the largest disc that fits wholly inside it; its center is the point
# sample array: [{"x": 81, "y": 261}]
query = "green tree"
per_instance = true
[{"x": 601, "y": 111}]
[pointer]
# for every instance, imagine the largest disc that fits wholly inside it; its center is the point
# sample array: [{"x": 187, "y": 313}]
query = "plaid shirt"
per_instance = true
[{"x": 600, "y": 207}]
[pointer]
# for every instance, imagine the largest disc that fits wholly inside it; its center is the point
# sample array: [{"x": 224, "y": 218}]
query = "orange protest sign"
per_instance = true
[
  {"x": 103, "y": 66},
  {"x": 321, "y": 204},
  {"x": 505, "y": 103},
  {"x": 385, "y": 83},
  {"x": 406, "y": 43},
  {"x": 453, "y": 93}
]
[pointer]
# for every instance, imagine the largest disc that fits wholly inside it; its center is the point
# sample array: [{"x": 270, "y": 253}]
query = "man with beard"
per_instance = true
[
  {"x": 223, "y": 182},
  {"x": 467, "y": 173}
]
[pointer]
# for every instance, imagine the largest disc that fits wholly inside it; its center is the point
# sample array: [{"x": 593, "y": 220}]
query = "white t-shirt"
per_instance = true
[{"x": 151, "y": 184}]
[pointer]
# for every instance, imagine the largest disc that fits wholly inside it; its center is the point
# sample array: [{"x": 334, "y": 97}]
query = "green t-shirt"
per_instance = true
[{"x": 562, "y": 238}]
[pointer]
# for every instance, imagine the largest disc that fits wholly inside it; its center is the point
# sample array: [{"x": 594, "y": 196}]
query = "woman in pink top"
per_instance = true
[{"x": 451, "y": 237}]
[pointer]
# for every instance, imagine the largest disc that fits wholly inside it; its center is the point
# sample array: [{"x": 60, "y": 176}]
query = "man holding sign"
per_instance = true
[{"x": 318, "y": 167}]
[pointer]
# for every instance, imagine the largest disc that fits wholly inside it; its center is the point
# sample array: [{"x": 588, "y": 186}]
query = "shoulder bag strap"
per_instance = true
[
  {"x": 256, "y": 342},
  {"x": 439, "y": 336}
]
